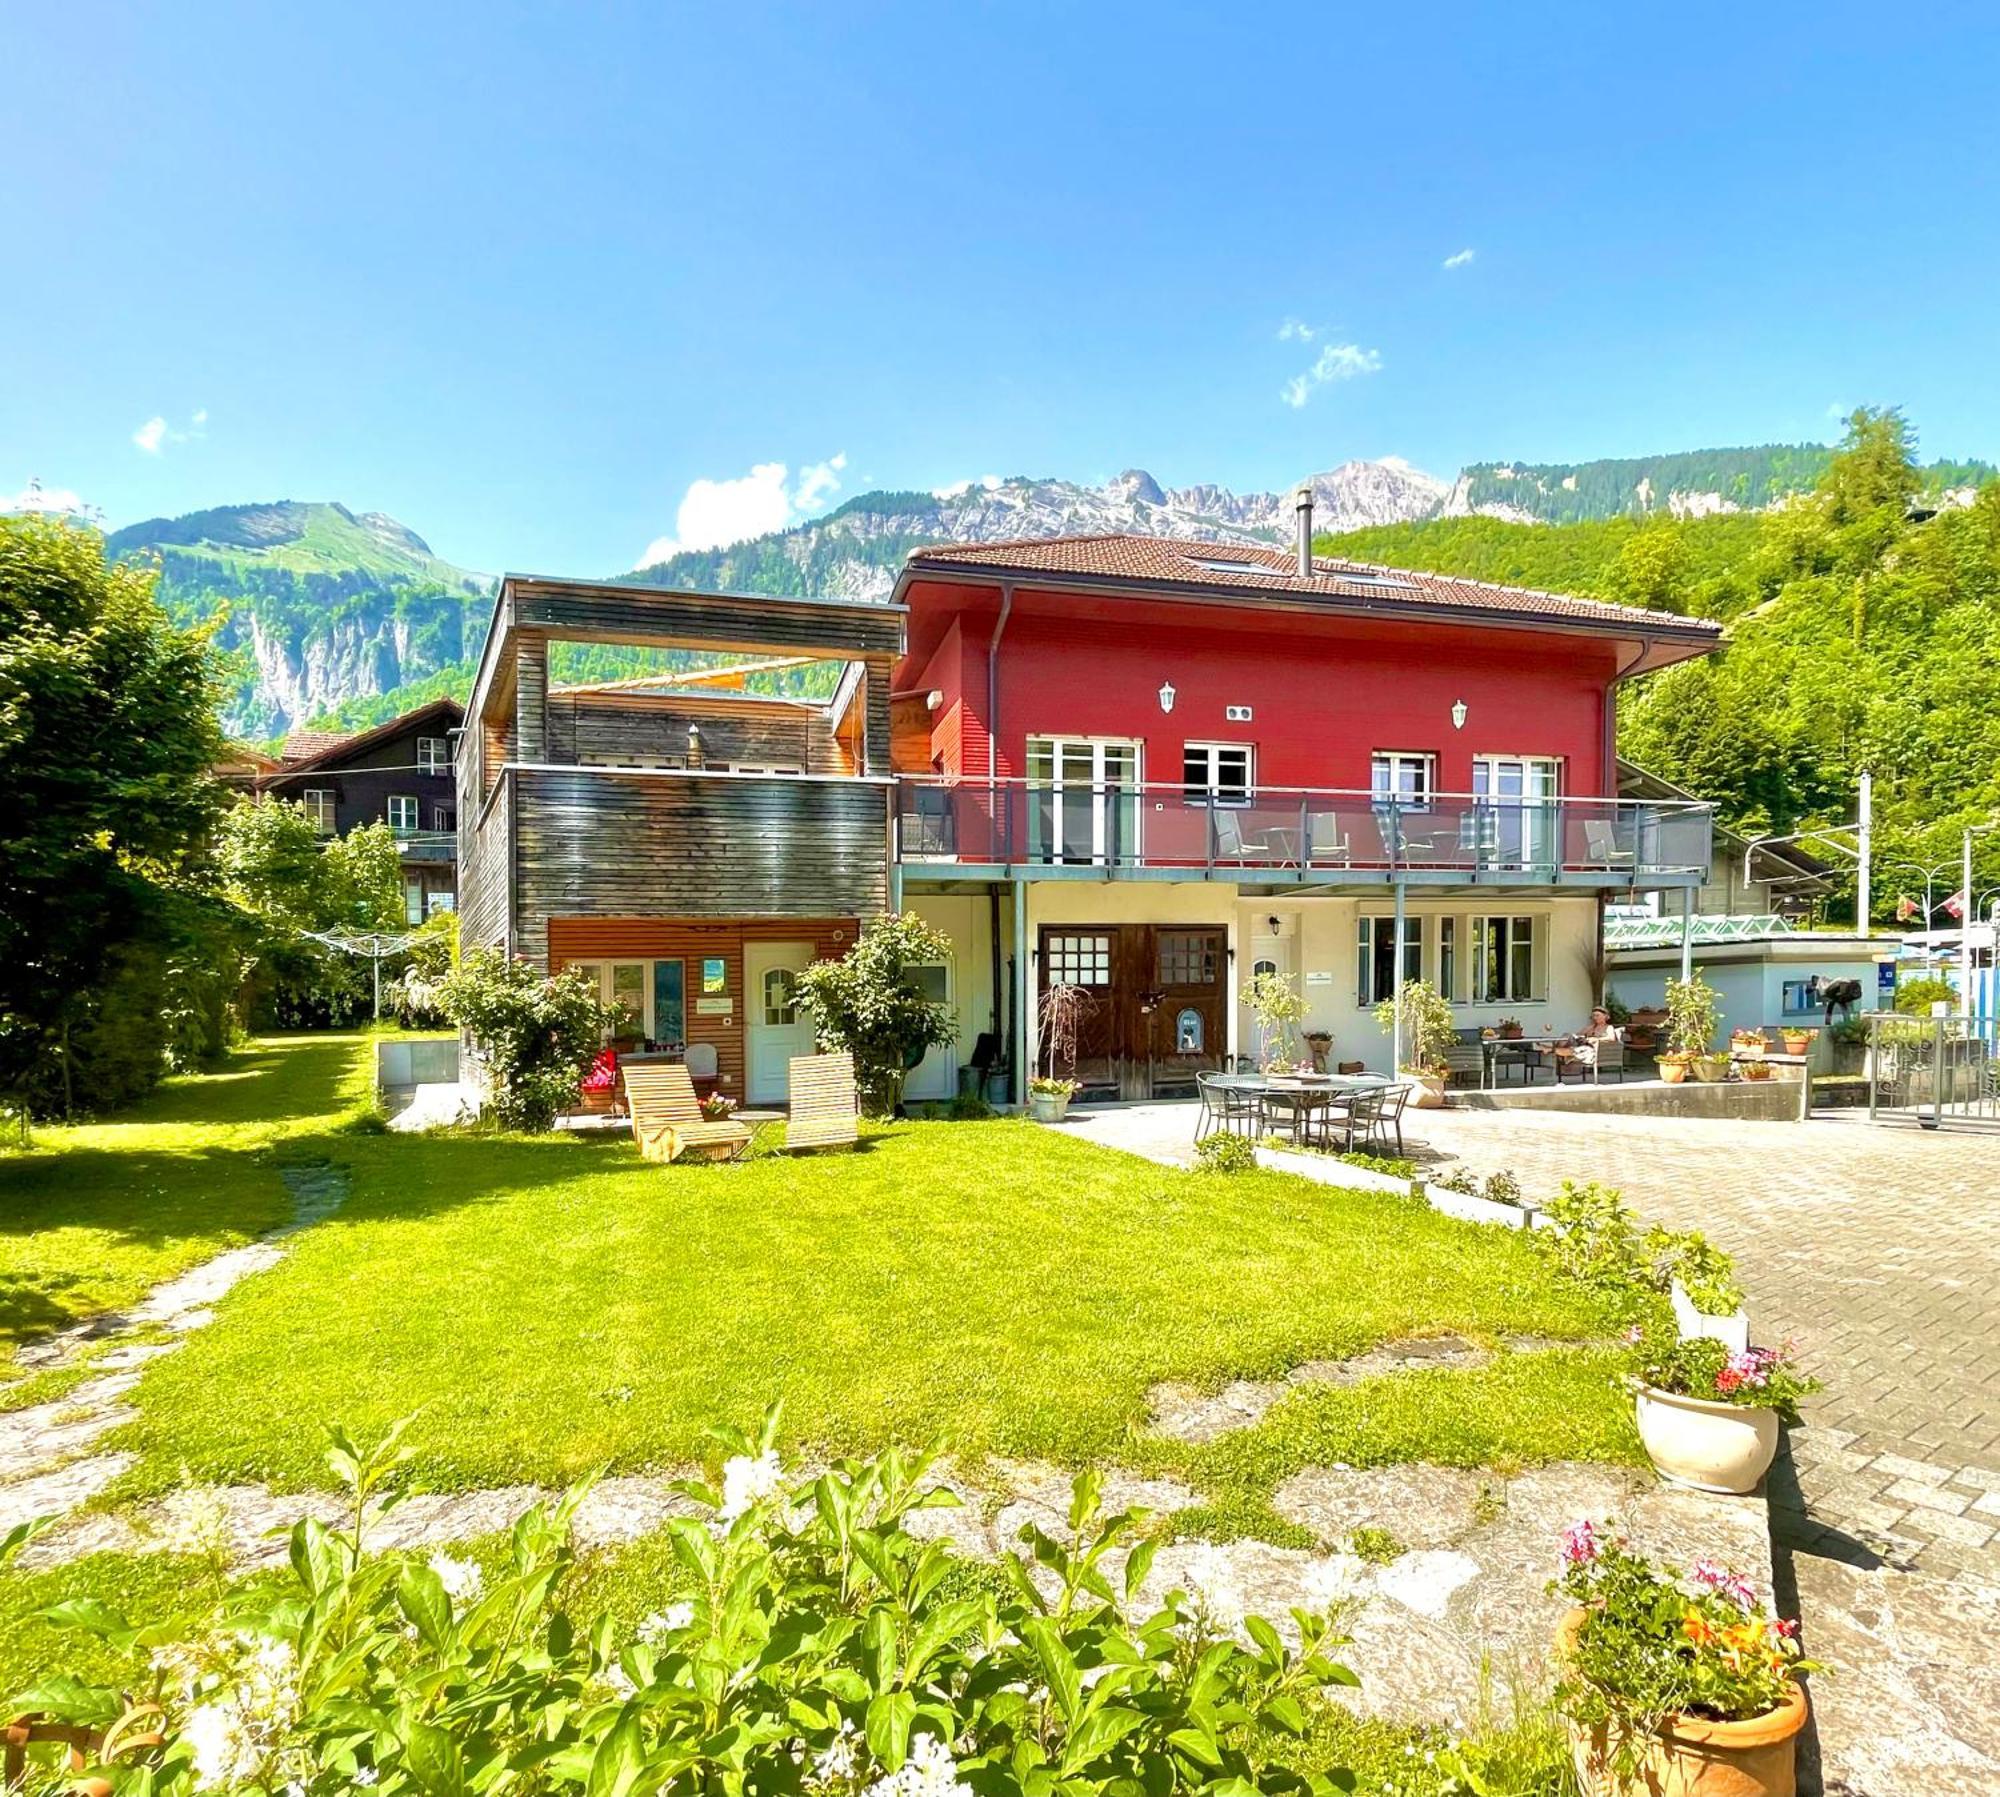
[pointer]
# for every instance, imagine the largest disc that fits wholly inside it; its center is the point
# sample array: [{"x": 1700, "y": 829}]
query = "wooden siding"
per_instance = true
[
  {"x": 485, "y": 861},
  {"x": 604, "y": 844},
  {"x": 531, "y": 669},
  {"x": 910, "y": 735},
  {"x": 617, "y": 614},
  {"x": 568, "y": 940},
  {"x": 733, "y": 730}
]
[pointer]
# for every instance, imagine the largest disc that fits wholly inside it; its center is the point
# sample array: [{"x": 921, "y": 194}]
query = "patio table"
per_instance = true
[{"x": 1296, "y": 1090}]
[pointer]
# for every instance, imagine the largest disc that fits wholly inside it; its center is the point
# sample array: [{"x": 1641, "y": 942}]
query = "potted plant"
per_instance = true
[
  {"x": 1691, "y": 1007},
  {"x": 1700, "y": 1282},
  {"x": 1279, "y": 1008},
  {"x": 1428, "y": 1030},
  {"x": 1061, "y": 1015},
  {"x": 1797, "y": 1041},
  {"x": 1320, "y": 1043},
  {"x": 1708, "y": 1415},
  {"x": 1755, "y": 1067},
  {"x": 718, "y": 1107},
  {"x": 1748, "y": 1042},
  {"x": 1508, "y": 1029},
  {"x": 1672, "y": 1682},
  {"x": 1674, "y": 1066}
]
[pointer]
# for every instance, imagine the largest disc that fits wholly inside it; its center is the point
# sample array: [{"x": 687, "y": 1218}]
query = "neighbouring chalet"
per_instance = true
[
  {"x": 398, "y": 773},
  {"x": 1148, "y": 767}
]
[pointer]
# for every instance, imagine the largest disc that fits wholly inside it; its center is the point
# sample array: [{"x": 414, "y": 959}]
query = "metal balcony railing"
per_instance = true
[{"x": 1017, "y": 823}]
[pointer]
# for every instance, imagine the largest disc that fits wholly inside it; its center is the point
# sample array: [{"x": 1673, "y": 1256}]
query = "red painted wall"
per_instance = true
[{"x": 1324, "y": 694}]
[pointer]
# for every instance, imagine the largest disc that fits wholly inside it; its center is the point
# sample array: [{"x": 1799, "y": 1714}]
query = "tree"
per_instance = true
[
  {"x": 535, "y": 1036},
  {"x": 1875, "y": 469},
  {"x": 107, "y": 734},
  {"x": 869, "y": 1002}
]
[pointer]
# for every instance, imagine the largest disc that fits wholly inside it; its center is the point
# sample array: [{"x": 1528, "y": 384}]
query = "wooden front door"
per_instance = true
[{"x": 1157, "y": 1001}]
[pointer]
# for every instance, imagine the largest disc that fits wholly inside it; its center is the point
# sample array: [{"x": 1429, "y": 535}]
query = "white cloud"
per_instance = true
[
  {"x": 155, "y": 434},
  {"x": 35, "y": 497},
  {"x": 1459, "y": 258},
  {"x": 715, "y": 513},
  {"x": 1336, "y": 362},
  {"x": 987, "y": 483},
  {"x": 1294, "y": 331}
]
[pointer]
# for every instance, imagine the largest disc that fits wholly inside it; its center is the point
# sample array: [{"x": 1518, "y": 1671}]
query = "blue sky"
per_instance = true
[{"x": 523, "y": 276}]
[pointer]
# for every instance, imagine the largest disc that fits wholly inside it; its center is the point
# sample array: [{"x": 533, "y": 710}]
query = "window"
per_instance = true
[
  {"x": 1218, "y": 772},
  {"x": 1081, "y": 806},
  {"x": 669, "y": 1003},
  {"x": 1518, "y": 794},
  {"x": 1503, "y": 960},
  {"x": 628, "y": 994},
  {"x": 413, "y": 898},
  {"x": 1258, "y": 969},
  {"x": 1079, "y": 961},
  {"x": 714, "y": 975},
  {"x": 790, "y": 768},
  {"x": 781, "y": 1009},
  {"x": 1187, "y": 958},
  {"x": 403, "y": 814},
  {"x": 444, "y": 818},
  {"x": 317, "y": 802},
  {"x": 1448, "y": 957},
  {"x": 433, "y": 755},
  {"x": 1408, "y": 778},
  {"x": 1378, "y": 956}
]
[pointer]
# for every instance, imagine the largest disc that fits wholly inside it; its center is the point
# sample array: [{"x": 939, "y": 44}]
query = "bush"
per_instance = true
[
  {"x": 1429, "y": 1029},
  {"x": 1393, "y": 1165},
  {"x": 821, "y": 1647},
  {"x": 1225, "y": 1153},
  {"x": 1691, "y": 1015},
  {"x": 1914, "y": 997},
  {"x": 869, "y": 1003},
  {"x": 536, "y": 1036}
]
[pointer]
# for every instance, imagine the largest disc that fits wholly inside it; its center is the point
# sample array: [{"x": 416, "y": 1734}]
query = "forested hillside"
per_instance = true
[{"x": 1863, "y": 632}]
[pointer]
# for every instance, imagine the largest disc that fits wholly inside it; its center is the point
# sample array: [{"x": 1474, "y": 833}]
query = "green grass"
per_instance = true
[
  {"x": 548, "y": 1307},
  {"x": 93, "y": 1214}
]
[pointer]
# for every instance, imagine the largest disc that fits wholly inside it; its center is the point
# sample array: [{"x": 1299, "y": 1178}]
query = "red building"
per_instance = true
[{"x": 1152, "y": 767}]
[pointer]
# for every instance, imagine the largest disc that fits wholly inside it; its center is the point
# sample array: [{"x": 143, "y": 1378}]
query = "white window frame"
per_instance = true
[
  {"x": 318, "y": 804},
  {"x": 1487, "y": 989},
  {"x": 1374, "y": 929},
  {"x": 415, "y": 813},
  {"x": 1096, "y": 792},
  {"x": 413, "y": 898},
  {"x": 1395, "y": 763},
  {"x": 1211, "y": 788},
  {"x": 1522, "y": 828},
  {"x": 433, "y": 754}
]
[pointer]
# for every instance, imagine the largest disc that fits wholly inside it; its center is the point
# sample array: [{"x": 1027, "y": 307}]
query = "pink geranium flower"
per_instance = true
[{"x": 1580, "y": 1543}]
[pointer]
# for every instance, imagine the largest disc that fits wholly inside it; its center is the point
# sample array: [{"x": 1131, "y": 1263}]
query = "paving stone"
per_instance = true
[
  {"x": 1421, "y": 1505},
  {"x": 1928, "y": 1497}
]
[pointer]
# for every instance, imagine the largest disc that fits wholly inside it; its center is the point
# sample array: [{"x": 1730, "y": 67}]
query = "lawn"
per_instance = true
[
  {"x": 549, "y": 1307},
  {"x": 92, "y": 1215}
]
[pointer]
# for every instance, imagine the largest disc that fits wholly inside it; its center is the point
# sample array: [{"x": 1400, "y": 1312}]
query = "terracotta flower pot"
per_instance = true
[
  {"x": 1691, "y": 1757},
  {"x": 1797, "y": 1041},
  {"x": 1757, "y": 1069},
  {"x": 1673, "y": 1072},
  {"x": 1709, "y": 1445}
]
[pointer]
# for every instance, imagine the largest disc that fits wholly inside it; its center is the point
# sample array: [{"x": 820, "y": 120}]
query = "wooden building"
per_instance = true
[{"x": 696, "y": 848}]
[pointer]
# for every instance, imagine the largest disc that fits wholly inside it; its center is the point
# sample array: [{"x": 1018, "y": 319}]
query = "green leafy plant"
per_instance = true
[
  {"x": 1692, "y": 1008},
  {"x": 1705, "y": 1272},
  {"x": 1279, "y": 1008},
  {"x": 1700, "y": 1367},
  {"x": 1654, "y": 1643},
  {"x": 536, "y": 1036},
  {"x": 1393, "y": 1165},
  {"x": 870, "y": 1003},
  {"x": 821, "y": 1647},
  {"x": 1428, "y": 1027},
  {"x": 1375, "y": 1545},
  {"x": 1224, "y": 1152},
  {"x": 1916, "y": 995}
]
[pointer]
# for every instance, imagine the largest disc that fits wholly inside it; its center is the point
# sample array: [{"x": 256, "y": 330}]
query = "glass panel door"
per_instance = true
[
  {"x": 1082, "y": 802},
  {"x": 1518, "y": 810}
]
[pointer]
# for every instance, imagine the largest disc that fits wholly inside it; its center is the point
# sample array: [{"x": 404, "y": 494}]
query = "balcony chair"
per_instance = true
[
  {"x": 1230, "y": 842},
  {"x": 1326, "y": 842},
  {"x": 1593, "y": 1060},
  {"x": 1463, "y": 1058},
  {"x": 824, "y": 1104},
  {"x": 1373, "y": 1115},
  {"x": 1600, "y": 841},
  {"x": 666, "y": 1116}
]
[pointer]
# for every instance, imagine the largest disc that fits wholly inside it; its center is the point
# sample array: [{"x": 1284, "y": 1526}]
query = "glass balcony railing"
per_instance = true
[{"x": 1015, "y": 823}]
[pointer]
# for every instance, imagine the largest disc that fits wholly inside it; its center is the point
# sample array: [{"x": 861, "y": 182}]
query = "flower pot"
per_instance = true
[
  {"x": 1710, "y": 1067},
  {"x": 1673, "y": 1072},
  {"x": 1048, "y": 1107},
  {"x": 1692, "y": 1757},
  {"x": 1426, "y": 1090},
  {"x": 1711, "y": 1446},
  {"x": 1757, "y": 1068},
  {"x": 1797, "y": 1041},
  {"x": 1732, "y": 1331}
]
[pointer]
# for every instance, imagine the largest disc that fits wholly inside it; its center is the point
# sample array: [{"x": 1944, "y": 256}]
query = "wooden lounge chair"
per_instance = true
[
  {"x": 666, "y": 1117},
  {"x": 824, "y": 1105}
]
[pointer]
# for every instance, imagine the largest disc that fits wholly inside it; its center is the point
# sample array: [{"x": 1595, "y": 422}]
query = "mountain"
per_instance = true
[
  {"x": 323, "y": 605},
  {"x": 349, "y": 616}
]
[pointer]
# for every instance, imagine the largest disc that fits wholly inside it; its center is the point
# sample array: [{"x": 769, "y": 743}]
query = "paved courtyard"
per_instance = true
[{"x": 1877, "y": 1248}]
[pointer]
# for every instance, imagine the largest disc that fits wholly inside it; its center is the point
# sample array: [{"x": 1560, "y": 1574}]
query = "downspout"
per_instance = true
[
  {"x": 1611, "y": 723},
  {"x": 1015, "y": 1038},
  {"x": 993, "y": 684}
]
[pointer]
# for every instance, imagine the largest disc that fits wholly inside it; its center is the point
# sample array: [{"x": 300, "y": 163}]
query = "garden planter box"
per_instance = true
[
  {"x": 1708, "y": 1445},
  {"x": 1480, "y": 1210},
  {"x": 1691, "y": 1757},
  {"x": 1328, "y": 1171},
  {"x": 1732, "y": 1331}
]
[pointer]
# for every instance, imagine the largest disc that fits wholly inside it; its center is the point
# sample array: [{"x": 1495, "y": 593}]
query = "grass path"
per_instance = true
[{"x": 92, "y": 1215}]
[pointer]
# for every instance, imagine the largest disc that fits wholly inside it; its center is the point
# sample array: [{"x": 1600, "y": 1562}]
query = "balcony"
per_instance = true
[{"x": 1018, "y": 829}]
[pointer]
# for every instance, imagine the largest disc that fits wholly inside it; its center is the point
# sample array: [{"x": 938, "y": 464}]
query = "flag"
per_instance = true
[
  {"x": 1955, "y": 905},
  {"x": 1906, "y": 908}
]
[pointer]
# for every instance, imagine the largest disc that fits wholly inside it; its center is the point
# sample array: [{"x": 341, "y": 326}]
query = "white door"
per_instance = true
[
  {"x": 936, "y": 1075},
  {"x": 1268, "y": 954},
  {"x": 777, "y": 1028}
]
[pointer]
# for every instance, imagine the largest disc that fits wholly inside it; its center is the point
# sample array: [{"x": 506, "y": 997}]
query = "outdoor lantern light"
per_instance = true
[
  {"x": 1458, "y": 714},
  {"x": 1166, "y": 695}
]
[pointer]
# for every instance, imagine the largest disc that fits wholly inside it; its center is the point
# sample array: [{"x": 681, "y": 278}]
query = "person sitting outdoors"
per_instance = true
[{"x": 1583, "y": 1048}]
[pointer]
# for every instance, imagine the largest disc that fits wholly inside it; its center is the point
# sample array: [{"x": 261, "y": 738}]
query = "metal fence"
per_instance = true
[{"x": 1941, "y": 1072}]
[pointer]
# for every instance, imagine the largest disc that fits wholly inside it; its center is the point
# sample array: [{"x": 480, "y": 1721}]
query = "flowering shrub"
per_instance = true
[
  {"x": 1655, "y": 1643},
  {"x": 538, "y": 1037},
  {"x": 820, "y": 1652},
  {"x": 1762, "y": 1378}
]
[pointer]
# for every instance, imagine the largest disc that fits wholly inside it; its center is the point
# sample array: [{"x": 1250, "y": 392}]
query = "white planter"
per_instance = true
[
  {"x": 1048, "y": 1107},
  {"x": 1713, "y": 1447},
  {"x": 1732, "y": 1331},
  {"x": 1426, "y": 1090},
  {"x": 1479, "y": 1210},
  {"x": 1328, "y": 1171}
]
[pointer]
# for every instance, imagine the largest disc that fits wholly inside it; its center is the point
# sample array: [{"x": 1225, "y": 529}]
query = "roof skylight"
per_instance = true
[{"x": 1216, "y": 565}]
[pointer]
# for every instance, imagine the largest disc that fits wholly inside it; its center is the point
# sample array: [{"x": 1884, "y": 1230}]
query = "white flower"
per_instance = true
[
  {"x": 462, "y": 1580},
  {"x": 619, "y": 1682},
  {"x": 1213, "y": 1585},
  {"x": 839, "y": 1758},
  {"x": 930, "y": 1771},
  {"x": 746, "y": 1482},
  {"x": 217, "y": 1744},
  {"x": 1333, "y": 1581}
]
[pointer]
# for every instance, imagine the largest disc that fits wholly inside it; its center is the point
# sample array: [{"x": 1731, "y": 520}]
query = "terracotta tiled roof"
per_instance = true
[
  {"x": 1180, "y": 562},
  {"x": 305, "y": 745}
]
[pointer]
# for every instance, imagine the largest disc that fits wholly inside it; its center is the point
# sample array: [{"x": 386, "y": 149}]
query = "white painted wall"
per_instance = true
[{"x": 965, "y": 920}]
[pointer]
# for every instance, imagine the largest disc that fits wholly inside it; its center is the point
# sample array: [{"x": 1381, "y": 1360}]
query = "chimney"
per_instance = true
[{"x": 1305, "y": 515}]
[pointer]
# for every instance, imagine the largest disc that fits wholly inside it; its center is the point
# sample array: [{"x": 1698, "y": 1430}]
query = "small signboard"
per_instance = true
[
  {"x": 714, "y": 1007},
  {"x": 1319, "y": 979}
]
